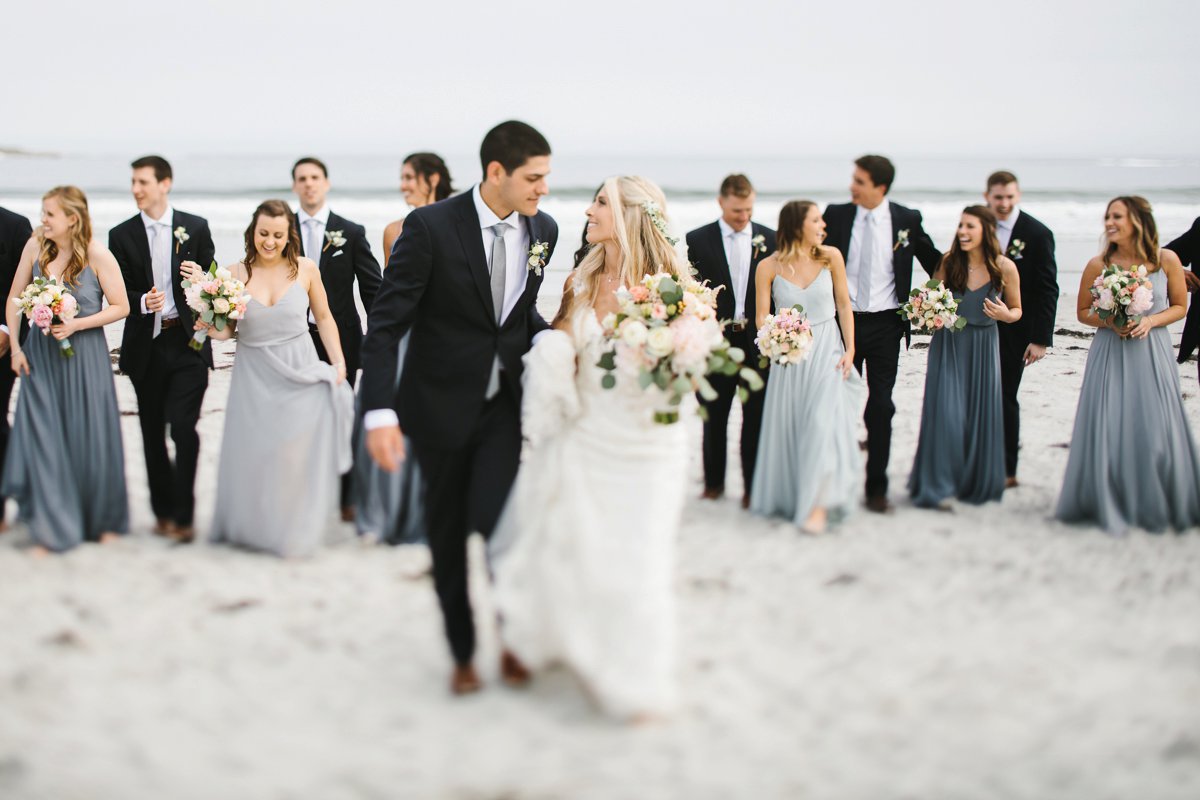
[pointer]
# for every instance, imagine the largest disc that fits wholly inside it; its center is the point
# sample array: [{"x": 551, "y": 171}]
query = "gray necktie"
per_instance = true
[
  {"x": 737, "y": 266},
  {"x": 498, "y": 269},
  {"x": 866, "y": 257},
  {"x": 160, "y": 265},
  {"x": 312, "y": 242}
]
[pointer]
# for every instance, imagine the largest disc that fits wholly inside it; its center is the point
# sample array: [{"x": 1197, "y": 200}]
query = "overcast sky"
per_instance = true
[{"x": 770, "y": 77}]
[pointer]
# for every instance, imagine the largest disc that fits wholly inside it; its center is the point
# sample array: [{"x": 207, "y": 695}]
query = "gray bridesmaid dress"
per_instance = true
[
  {"x": 960, "y": 450},
  {"x": 287, "y": 435},
  {"x": 66, "y": 465},
  {"x": 808, "y": 452},
  {"x": 387, "y": 504},
  {"x": 1133, "y": 460}
]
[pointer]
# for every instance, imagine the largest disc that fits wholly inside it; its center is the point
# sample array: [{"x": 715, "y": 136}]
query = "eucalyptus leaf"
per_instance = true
[{"x": 609, "y": 381}]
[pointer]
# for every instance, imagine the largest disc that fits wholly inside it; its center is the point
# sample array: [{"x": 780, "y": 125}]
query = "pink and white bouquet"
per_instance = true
[
  {"x": 667, "y": 335},
  {"x": 932, "y": 307},
  {"x": 46, "y": 302},
  {"x": 1122, "y": 295},
  {"x": 785, "y": 337},
  {"x": 216, "y": 299}
]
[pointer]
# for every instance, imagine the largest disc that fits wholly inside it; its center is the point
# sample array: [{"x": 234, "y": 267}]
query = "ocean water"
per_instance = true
[{"x": 1069, "y": 195}]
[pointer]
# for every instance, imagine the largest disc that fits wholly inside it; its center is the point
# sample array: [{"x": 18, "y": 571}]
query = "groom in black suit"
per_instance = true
[
  {"x": 15, "y": 231},
  {"x": 1187, "y": 247},
  {"x": 1030, "y": 245},
  {"x": 168, "y": 377},
  {"x": 878, "y": 239},
  {"x": 459, "y": 280},
  {"x": 726, "y": 253}
]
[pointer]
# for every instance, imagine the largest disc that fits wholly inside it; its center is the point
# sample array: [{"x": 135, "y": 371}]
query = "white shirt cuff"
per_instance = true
[
  {"x": 144, "y": 309},
  {"x": 380, "y": 418},
  {"x": 4, "y": 327}
]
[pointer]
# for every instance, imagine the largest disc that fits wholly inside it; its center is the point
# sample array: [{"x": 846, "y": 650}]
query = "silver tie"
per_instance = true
[
  {"x": 737, "y": 267},
  {"x": 312, "y": 241},
  {"x": 160, "y": 265},
  {"x": 866, "y": 258},
  {"x": 498, "y": 270}
]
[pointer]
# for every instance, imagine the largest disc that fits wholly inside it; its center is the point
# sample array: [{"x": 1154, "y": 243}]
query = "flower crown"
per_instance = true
[{"x": 656, "y": 217}]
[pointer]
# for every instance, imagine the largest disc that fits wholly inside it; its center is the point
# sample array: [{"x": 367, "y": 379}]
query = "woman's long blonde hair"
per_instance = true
[
  {"x": 1145, "y": 231},
  {"x": 645, "y": 249},
  {"x": 74, "y": 203}
]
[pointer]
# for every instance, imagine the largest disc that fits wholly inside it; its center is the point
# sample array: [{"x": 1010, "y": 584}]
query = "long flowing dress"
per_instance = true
[
  {"x": 584, "y": 550},
  {"x": 66, "y": 464},
  {"x": 287, "y": 435},
  {"x": 1133, "y": 459},
  {"x": 389, "y": 505},
  {"x": 960, "y": 450},
  {"x": 808, "y": 451}
]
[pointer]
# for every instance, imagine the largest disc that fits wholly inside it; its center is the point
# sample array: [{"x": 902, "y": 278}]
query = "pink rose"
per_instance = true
[
  {"x": 938, "y": 322},
  {"x": 42, "y": 316},
  {"x": 640, "y": 294},
  {"x": 210, "y": 287},
  {"x": 658, "y": 311},
  {"x": 1143, "y": 298},
  {"x": 68, "y": 307}
]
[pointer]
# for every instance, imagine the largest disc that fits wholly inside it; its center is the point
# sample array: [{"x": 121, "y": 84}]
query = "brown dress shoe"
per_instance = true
[
  {"x": 879, "y": 504},
  {"x": 163, "y": 527},
  {"x": 745, "y": 501},
  {"x": 464, "y": 680},
  {"x": 1011, "y": 482},
  {"x": 512, "y": 671},
  {"x": 712, "y": 494},
  {"x": 184, "y": 534},
  {"x": 347, "y": 513}
]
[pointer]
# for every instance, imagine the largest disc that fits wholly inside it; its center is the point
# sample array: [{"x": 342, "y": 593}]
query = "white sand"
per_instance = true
[{"x": 989, "y": 653}]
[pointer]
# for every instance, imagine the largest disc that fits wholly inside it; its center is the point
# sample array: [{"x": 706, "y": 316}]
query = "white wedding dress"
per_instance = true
[{"x": 584, "y": 551}]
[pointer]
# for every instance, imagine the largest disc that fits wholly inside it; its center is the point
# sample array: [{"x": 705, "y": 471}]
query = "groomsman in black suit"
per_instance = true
[
  {"x": 878, "y": 239},
  {"x": 15, "y": 231},
  {"x": 459, "y": 279},
  {"x": 1187, "y": 247},
  {"x": 726, "y": 253},
  {"x": 340, "y": 249},
  {"x": 1030, "y": 245},
  {"x": 168, "y": 376}
]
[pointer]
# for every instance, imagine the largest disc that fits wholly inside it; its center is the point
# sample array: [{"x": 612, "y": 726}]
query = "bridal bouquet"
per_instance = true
[
  {"x": 216, "y": 299},
  {"x": 932, "y": 307},
  {"x": 667, "y": 335},
  {"x": 1122, "y": 295},
  {"x": 785, "y": 337},
  {"x": 46, "y": 302}
]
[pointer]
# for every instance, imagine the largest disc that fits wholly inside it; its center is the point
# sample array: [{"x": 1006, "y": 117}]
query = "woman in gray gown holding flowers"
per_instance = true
[{"x": 289, "y": 415}]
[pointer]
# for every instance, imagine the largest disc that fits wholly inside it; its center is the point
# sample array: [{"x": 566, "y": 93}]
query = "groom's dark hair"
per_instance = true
[{"x": 512, "y": 143}]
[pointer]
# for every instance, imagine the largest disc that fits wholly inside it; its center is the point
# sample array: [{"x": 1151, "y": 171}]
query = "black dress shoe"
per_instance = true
[{"x": 879, "y": 504}]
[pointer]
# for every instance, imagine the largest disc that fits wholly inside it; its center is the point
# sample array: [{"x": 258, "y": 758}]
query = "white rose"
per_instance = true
[
  {"x": 221, "y": 305},
  {"x": 534, "y": 261},
  {"x": 223, "y": 274},
  {"x": 46, "y": 299},
  {"x": 660, "y": 341},
  {"x": 633, "y": 333}
]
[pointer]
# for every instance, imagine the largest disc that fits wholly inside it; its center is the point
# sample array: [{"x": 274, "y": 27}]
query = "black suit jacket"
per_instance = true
[
  {"x": 706, "y": 251},
  {"x": 436, "y": 288},
  {"x": 15, "y": 231},
  {"x": 839, "y": 224},
  {"x": 339, "y": 268},
  {"x": 1187, "y": 247},
  {"x": 131, "y": 247},
  {"x": 1039, "y": 283}
]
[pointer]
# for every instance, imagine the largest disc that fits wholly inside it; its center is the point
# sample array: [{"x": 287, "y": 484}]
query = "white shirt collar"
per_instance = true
[
  {"x": 321, "y": 216},
  {"x": 727, "y": 229},
  {"x": 487, "y": 217},
  {"x": 1012, "y": 219},
  {"x": 878, "y": 213},
  {"x": 147, "y": 220}
]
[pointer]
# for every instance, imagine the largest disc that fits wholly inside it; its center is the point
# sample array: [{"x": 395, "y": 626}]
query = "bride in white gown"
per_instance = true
[{"x": 584, "y": 552}]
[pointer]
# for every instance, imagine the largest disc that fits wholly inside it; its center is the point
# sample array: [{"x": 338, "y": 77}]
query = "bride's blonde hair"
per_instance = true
[{"x": 640, "y": 227}]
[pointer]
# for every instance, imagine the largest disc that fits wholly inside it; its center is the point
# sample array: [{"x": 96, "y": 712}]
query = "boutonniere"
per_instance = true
[
  {"x": 1015, "y": 248},
  {"x": 334, "y": 238},
  {"x": 181, "y": 236},
  {"x": 901, "y": 240},
  {"x": 759, "y": 243},
  {"x": 537, "y": 257}
]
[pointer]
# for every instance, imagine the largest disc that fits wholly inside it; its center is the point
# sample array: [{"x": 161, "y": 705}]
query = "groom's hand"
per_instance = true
[{"x": 386, "y": 446}]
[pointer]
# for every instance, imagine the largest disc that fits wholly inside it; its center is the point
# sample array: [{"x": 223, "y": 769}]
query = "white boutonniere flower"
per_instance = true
[
  {"x": 181, "y": 236},
  {"x": 538, "y": 251},
  {"x": 759, "y": 243},
  {"x": 901, "y": 240},
  {"x": 1015, "y": 248},
  {"x": 334, "y": 238}
]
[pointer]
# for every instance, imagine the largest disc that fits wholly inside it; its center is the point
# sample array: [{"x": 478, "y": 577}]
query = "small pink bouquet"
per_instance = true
[
  {"x": 1122, "y": 295},
  {"x": 932, "y": 307},
  {"x": 47, "y": 302},
  {"x": 785, "y": 337},
  {"x": 667, "y": 335},
  {"x": 217, "y": 298}
]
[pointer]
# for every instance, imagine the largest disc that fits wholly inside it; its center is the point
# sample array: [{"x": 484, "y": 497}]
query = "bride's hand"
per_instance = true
[
  {"x": 845, "y": 365},
  {"x": 191, "y": 271}
]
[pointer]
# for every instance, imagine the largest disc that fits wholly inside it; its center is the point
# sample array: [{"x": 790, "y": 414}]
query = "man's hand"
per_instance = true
[
  {"x": 5, "y": 343},
  {"x": 1192, "y": 280},
  {"x": 386, "y": 446},
  {"x": 1034, "y": 353},
  {"x": 155, "y": 300}
]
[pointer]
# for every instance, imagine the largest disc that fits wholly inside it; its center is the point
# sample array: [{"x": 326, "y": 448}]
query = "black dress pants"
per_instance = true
[{"x": 877, "y": 337}]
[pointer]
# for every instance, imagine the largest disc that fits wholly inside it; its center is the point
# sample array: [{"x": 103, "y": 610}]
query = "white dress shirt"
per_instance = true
[
  {"x": 1004, "y": 229},
  {"x": 738, "y": 254},
  {"x": 879, "y": 260},
  {"x": 320, "y": 221},
  {"x": 161, "y": 238}
]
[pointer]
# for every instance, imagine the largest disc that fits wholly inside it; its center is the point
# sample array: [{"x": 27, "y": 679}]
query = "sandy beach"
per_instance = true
[{"x": 986, "y": 653}]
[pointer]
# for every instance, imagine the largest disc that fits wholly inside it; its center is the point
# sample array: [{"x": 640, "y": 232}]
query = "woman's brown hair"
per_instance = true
[
  {"x": 291, "y": 251},
  {"x": 790, "y": 234},
  {"x": 956, "y": 262},
  {"x": 1145, "y": 231},
  {"x": 74, "y": 203}
]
